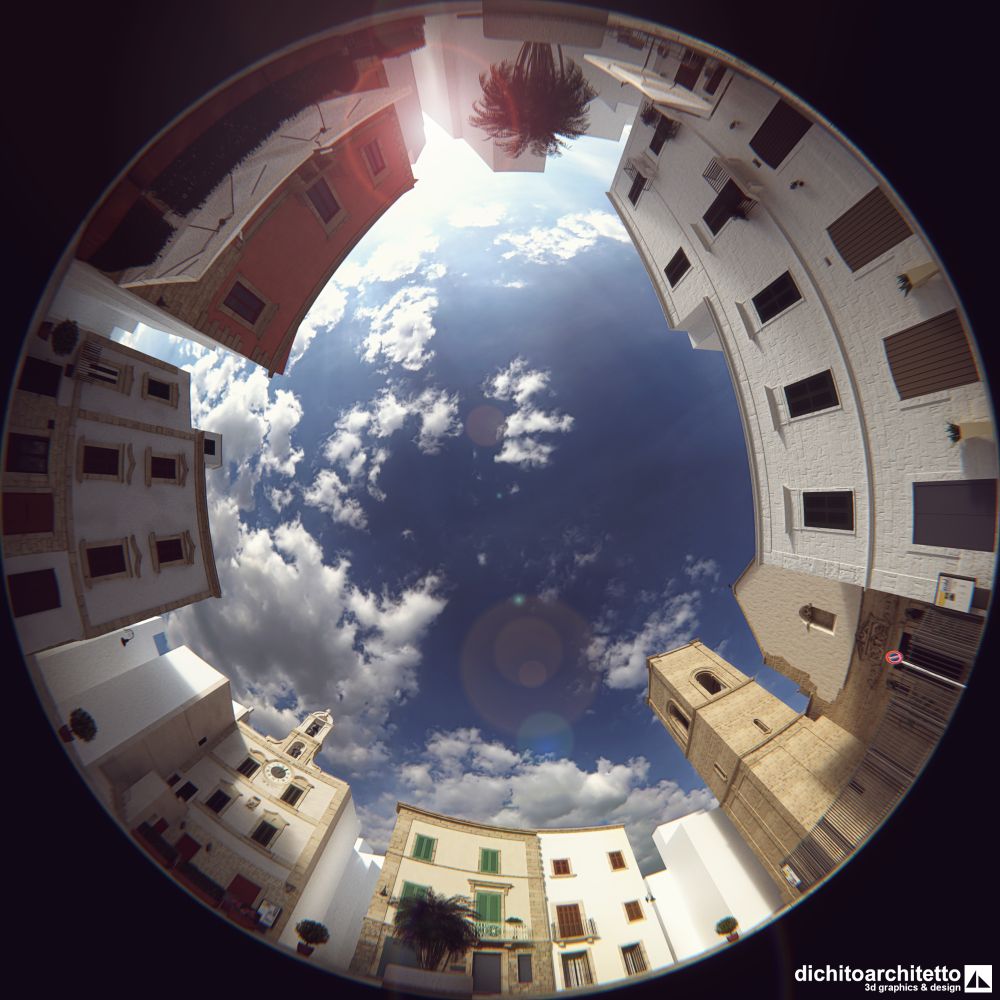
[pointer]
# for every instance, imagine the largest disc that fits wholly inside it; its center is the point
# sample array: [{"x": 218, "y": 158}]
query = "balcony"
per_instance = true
[
  {"x": 588, "y": 932},
  {"x": 489, "y": 930}
]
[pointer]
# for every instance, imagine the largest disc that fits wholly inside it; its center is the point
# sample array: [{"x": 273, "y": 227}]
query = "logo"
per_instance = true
[
  {"x": 894, "y": 656},
  {"x": 978, "y": 979}
]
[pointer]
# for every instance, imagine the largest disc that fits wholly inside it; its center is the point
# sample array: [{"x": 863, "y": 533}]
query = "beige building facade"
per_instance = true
[
  {"x": 498, "y": 869},
  {"x": 105, "y": 517}
]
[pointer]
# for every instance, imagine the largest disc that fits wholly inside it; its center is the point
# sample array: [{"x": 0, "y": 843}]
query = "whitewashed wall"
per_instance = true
[
  {"x": 602, "y": 893},
  {"x": 873, "y": 443}
]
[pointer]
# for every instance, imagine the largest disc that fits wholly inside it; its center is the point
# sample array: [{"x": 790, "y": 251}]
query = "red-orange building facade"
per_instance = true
[{"x": 255, "y": 295}]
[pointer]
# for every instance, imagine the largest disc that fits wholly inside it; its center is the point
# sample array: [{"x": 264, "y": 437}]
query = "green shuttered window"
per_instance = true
[
  {"x": 489, "y": 906},
  {"x": 423, "y": 847},
  {"x": 489, "y": 861},
  {"x": 411, "y": 891}
]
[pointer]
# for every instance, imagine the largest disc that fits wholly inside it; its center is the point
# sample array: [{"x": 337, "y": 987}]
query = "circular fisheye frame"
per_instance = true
[{"x": 501, "y": 498}]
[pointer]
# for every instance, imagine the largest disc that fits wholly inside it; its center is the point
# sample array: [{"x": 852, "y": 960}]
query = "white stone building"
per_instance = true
[
  {"x": 770, "y": 240},
  {"x": 105, "y": 517},
  {"x": 604, "y": 929},
  {"x": 710, "y": 874}
]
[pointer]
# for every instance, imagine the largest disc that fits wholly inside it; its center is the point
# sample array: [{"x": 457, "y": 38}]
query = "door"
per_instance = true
[
  {"x": 396, "y": 953},
  {"x": 956, "y": 514},
  {"x": 486, "y": 972},
  {"x": 25, "y": 513},
  {"x": 187, "y": 847}
]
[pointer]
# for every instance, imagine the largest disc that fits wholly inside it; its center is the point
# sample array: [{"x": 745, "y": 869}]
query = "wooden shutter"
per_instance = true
[
  {"x": 931, "y": 356},
  {"x": 27, "y": 453},
  {"x": 410, "y": 890},
  {"x": 570, "y": 920},
  {"x": 633, "y": 910},
  {"x": 106, "y": 560},
  {"x": 41, "y": 377},
  {"x": 98, "y": 461},
  {"x": 677, "y": 267},
  {"x": 33, "y": 592},
  {"x": 244, "y": 303},
  {"x": 24, "y": 513},
  {"x": 186, "y": 791},
  {"x": 960, "y": 514},
  {"x": 423, "y": 848},
  {"x": 779, "y": 133},
  {"x": 868, "y": 230},
  {"x": 689, "y": 70},
  {"x": 243, "y": 890},
  {"x": 169, "y": 550},
  {"x": 488, "y": 906},
  {"x": 617, "y": 860},
  {"x": 486, "y": 976},
  {"x": 489, "y": 861},
  {"x": 560, "y": 866},
  {"x": 524, "y": 974}
]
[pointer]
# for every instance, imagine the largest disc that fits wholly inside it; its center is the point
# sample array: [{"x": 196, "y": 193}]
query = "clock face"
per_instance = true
[{"x": 278, "y": 772}]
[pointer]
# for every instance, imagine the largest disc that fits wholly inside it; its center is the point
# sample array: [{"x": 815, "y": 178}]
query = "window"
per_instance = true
[
  {"x": 812, "y": 394},
  {"x": 763, "y": 727},
  {"x": 665, "y": 129},
  {"x": 158, "y": 389},
  {"x": 102, "y": 462},
  {"x": 569, "y": 920},
  {"x": 164, "y": 468},
  {"x": 709, "y": 681},
  {"x": 171, "y": 550},
  {"x": 323, "y": 200},
  {"x": 33, "y": 592},
  {"x": 208, "y": 446},
  {"x": 635, "y": 961},
  {"x": 676, "y": 716},
  {"x": 576, "y": 970},
  {"x": 314, "y": 728},
  {"x": 722, "y": 774},
  {"x": 411, "y": 890},
  {"x": 728, "y": 204},
  {"x": 186, "y": 791},
  {"x": 638, "y": 186},
  {"x": 104, "y": 561},
  {"x": 249, "y": 767},
  {"x": 689, "y": 70},
  {"x": 524, "y": 969},
  {"x": 617, "y": 860},
  {"x": 776, "y": 298},
  {"x": 41, "y": 377},
  {"x": 27, "y": 453},
  {"x": 779, "y": 133},
  {"x": 295, "y": 750},
  {"x": 291, "y": 794},
  {"x": 930, "y": 356},
  {"x": 817, "y": 618},
  {"x": 26, "y": 513},
  {"x": 633, "y": 910},
  {"x": 244, "y": 303},
  {"x": 489, "y": 861},
  {"x": 218, "y": 801},
  {"x": 173, "y": 779},
  {"x": 560, "y": 866},
  {"x": 92, "y": 368},
  {"x": 373, "y": 157},
  {"x": 956, "y": 514},
  {"x": 423, "y": 847},
  {"x": 712, "y": 84},
  {"x": 679, "y": 266},
  {"x": 489, "y": 906},
  {"x": 264, "y": 833},
  {"x": 833, "y": 509},
  {"x": 867, "y": 230}
]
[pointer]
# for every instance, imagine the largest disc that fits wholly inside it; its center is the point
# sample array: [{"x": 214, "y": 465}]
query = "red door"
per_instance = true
[
  {"x": 187, "y": 847},
  {"x": 27, "y": 512}
]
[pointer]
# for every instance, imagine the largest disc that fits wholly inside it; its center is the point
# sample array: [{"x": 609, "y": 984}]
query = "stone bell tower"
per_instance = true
[
  {"x": 306, "y": 739},
  {"x": 774, "y": 771}
]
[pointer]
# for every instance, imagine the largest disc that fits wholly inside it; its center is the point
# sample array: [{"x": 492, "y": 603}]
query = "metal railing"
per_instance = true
[
  {"x": 589, "y": 931},
  {"x": 489, "y": 930}
]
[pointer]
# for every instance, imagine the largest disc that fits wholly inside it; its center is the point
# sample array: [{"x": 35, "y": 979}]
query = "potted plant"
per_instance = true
[
  {"x": 64, "y": 337},
  {"x": 970, "y": 429},
  {"x": 649, "y": 115},
  {"x": 312, "y": 933},
  {"x": 728, "y": 926},
  {"x": 81, "y": 724},
  {"x": 915, "y": 277}
]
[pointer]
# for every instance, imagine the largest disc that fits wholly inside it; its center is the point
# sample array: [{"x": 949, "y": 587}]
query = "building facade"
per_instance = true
[
  {"x": 105, "y": 516},
  {"x": 774, "y": 771},
  {"x": 258, "y": 289},
  {"x": 603, "y": 925},
  {"x": 498, "y": 869},
  {"x": 710, "y": 874},
  {"x": 770, "y": 240}
]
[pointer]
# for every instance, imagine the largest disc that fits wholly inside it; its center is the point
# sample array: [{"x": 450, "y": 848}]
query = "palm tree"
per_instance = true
[
  {"x": 436, "y": 927},
  {"x": 531, "y": 103}
]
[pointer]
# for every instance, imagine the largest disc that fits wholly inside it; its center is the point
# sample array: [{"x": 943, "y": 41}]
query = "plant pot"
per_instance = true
[
  {"x": 921, "y": 273},
  {"x": 305, "y": 949},
  {"x": 734, "y": 936},
  {"x": 67, "y": 734},
  {"x": 976, "y": 429}
]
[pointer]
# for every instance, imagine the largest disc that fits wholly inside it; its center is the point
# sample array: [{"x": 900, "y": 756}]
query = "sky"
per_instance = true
[{"x": 489, "y": 485}]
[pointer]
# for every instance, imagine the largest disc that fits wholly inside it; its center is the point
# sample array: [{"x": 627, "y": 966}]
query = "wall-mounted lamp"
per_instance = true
[{"x": 384, "y": 892}]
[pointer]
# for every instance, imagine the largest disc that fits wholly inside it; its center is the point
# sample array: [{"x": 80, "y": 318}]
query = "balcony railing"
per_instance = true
[
  {"x": 589, "y": 932},
  {"x": 489, "y": 930}
]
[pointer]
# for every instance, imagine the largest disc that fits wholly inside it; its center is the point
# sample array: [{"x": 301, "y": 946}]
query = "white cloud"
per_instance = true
[
  {"x": 279, "y": 499},
  {"x": 622, "y": 662},
  {"x": 481, "y": 558},
  {"x": 570, "y": 235},
  {"x": 324, "y": 314},
  {"x": 401, "y": 329},
  {"x": 518, "y": 434},
  {"x": 390, "y": 261},
  {"x": 289, "y": 622},
  {"x": 462, "y": 773},
  {"x": 479, "y": 216},
  {"x": 701, "y": 569},
  {"x": 329, "y": 494}
]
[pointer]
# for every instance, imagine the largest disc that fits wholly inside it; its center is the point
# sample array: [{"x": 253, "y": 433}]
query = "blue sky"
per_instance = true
[{"x": 490, "y": 484}]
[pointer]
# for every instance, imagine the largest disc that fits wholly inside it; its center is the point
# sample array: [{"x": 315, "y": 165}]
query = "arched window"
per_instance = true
[
  {"x": 709, "y": 681},
  {"x": 761, "y": 726},
  {"x": 679, "y": 720},
  {"x": 314, "y": 728},
  {"x": 295, "y": 750}
]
